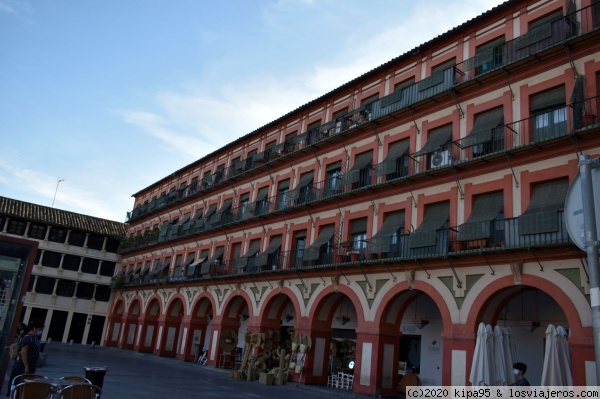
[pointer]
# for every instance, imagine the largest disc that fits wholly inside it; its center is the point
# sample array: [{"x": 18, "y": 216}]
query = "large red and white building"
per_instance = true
[{"x": 389, "y": 217}]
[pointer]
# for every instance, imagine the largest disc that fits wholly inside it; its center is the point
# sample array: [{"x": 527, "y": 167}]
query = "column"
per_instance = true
[
  {"x": 5, "y": 224},
  {"x": 87, "y": 235},
  {"x": 26, "y": 232},
  {"x": 41, "y": 260},
  {"x": 376, "y": 361},
  {"x": 104, "y": 244},
  {"x": 457, "y": 356},
  {"x": 47, "y": 233},
  {"x": 67, "y": 237}
]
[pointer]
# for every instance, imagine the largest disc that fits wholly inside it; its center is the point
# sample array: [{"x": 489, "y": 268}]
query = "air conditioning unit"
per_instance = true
[{"x": 441, "y": 158}]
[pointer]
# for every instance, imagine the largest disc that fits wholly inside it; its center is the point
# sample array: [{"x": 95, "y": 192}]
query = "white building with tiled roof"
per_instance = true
[{"x": 69, "y": 288}]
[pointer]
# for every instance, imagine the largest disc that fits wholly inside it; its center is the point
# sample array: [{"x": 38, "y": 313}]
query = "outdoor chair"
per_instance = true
[
  {"x": 75, "y": 378},
  {"x": 21, "y": 378},
  {"x": 32, "y": 390},
  {"x": 80, "y": 391}
]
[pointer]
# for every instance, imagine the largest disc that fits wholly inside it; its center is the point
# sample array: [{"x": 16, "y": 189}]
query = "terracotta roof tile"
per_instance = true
[{"x": 58, "y": 217}]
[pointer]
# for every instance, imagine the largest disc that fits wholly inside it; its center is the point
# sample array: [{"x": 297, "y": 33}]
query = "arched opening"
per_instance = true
[
  {"x": 149, "y": 329},
  {"x": 200, "y": 328},
  {"x": 131, "y": 325},
  {"x": 172, "y": 328}
]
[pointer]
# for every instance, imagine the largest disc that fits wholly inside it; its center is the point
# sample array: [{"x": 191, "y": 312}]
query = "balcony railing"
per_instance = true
[
  {"x": 497, "y": 235},
  {"x": 537, "y": 128}
]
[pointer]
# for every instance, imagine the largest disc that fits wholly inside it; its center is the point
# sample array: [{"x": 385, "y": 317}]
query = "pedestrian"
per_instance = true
[
  {"x": 519, "y": 370},
  {"x": 29, "y": 351}
]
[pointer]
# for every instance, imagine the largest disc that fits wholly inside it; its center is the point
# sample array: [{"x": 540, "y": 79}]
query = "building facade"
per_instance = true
[
  {"x": 70, "y": 283},
  {"x": 388, "y": 218}
]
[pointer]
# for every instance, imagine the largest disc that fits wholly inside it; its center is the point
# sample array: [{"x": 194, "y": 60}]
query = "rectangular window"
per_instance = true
[
  {"x": 333, "y": 184},
  {"x": 37, "y": 231},
  {"x": 16, "y": 227},
  {"x": 76, "y": 238},
  {"x": 57, "y": 234},
  {"x": 549, "y": 114},
  {"x": 282, "y": 194},
  {"x": 438, "y": 75},
  {"x": 488, "y": 56}
]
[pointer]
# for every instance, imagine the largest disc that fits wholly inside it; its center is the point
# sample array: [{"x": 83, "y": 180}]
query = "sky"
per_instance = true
[{"x": 101, "y": 98}]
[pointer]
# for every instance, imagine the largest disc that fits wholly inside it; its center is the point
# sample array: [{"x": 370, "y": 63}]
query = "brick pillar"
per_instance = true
[
  {"x": 582, "y": 351},
  {"x": 317, "y": 358},
  {"x": 147, "y": 333}
]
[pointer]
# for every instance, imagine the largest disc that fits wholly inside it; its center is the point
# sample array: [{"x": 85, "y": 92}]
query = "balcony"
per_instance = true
[{"x": 535, "y": 130}]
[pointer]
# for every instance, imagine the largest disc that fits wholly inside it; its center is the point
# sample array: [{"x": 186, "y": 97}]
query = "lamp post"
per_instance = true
[{"x": 58, "y": 181}]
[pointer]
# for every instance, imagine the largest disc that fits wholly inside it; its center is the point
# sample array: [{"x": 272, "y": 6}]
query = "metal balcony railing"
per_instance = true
[{"x": 555, "y": 123}]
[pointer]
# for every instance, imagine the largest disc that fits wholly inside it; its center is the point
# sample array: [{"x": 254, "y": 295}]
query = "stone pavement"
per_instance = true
[{"x": 140, "y": 375}]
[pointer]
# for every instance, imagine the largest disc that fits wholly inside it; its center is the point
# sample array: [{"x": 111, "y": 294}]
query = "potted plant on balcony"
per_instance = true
[{"x": 588, "y": 118}]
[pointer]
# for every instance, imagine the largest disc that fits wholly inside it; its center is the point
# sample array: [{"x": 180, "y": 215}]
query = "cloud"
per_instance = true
[
  {"x": 207, "y": 115},
  {"x": 44, "y": 187},
  {"x": 15, "y": 7}
]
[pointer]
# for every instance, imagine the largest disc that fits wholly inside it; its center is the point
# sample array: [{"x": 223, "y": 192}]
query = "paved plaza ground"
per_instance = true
[{"x": 138, "y": 375}]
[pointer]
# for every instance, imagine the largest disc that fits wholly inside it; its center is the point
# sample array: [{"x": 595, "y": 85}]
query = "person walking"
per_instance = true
[{"x": 29, "y": 352}]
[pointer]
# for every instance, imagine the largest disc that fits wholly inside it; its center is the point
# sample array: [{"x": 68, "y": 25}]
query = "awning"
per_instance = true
[
  {"x": 435, "y": 218},
  {"x": 381, "y": 242},
  {"x": 397, "y": 151},
  {"x": 313, "y": 252},
  {"x": 186, "y": 223},
  {"x": 191, "y": 270},
  {"x": 158, "y": 268},
  {"x": 213, "y": 259},
  {"x": 437, "y": 138},
  {"x": 146, "y": 267},
  {"x": 262, "y": 194},
  {"x": 305, "y": 180},
  {"x": 252, "y": 250},
  {"x": 547, "y": 100},
  {"x": 483, "y": 128},
  {"x": 484, "y": 54},
  {"x": 138, "y": 267},
  {"x": 224, "y": 208},
  {"x": 210, "y": 213},
  {"x": 261, "y": 259},
  {"x": 485, "y": 209},
  {"x": 177, "y": 270},
  {"x": 362, "y": 161},
  {"x": 541, "y": 215}
]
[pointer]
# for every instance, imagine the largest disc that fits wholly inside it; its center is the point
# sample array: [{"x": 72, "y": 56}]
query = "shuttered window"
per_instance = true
[
  {"x": 437, "y": 138},
  {"x": 485, "y": 209},
  {"x": 389, "y": 164},
  {"x": 483, "y": 127},
  {"x": 381, "y": 242},
  {"x": 262, "y": 258},
  {"x": 436, "y": 216},
  {"x": 541, "y": 216},
  {"x": 312, "y": 252}
]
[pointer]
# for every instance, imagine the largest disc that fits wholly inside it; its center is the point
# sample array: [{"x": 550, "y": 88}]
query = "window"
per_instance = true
[
  {"x": 437, "y": 149},
  {"x": 85, "y": 290},
  {"x": 250, "y": 159},
  {"x": 390, "y": 236},
  {"x": 44, "y": 285},
  {"x": 51, "y": 259},
  {"x": 481, "y": 223},
  {"x": 178, "y": 266},
  {"x": 437, "y": 216},
  {"x": 95, "y": 241},
  {"x": 261, "y": 203},
  {"x": 549, "y": 114},
  {"x": 359, "y": 174},
  {"x": 65, "y": 288},
  {"x": 271, "y": 256},
  {"x": 303, "y": 192},
  {"x": 542, "y": 214},
  {"x": 333, "y": 184},
  {"x": 37, "y": 231},
  {"x": 488, "y": 56},
  {"x": 313, "y": 132},
  {"x": 366, "y": 108},
  {"x": 404, "y": 94},
  {"x": 107, "y": 268},
  {"x": 322, "y": 248},
  {"x": 16, "y": 227},
  {"x": 71, "y": 262},
  {"x": 243, "y": 207},
  {"x": 340, "y": 120},
  {"x": 57, "y": 234},
  {"x": 102, "y": 293},
  {"x": 112, "y": 244},
  {"x": 439, "y": 74},
  {"x": 298, "y": 247},
  {"x": 487, "y": 135},
  {"x": 90, "y": 265},
  {"x": 77, "y": 238},
  {"x": 395, "y": 164},
  {"x": 358, "y": 234},
  {"x": 236, "y": 167},
  {"x": 282, "y": 194}
]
